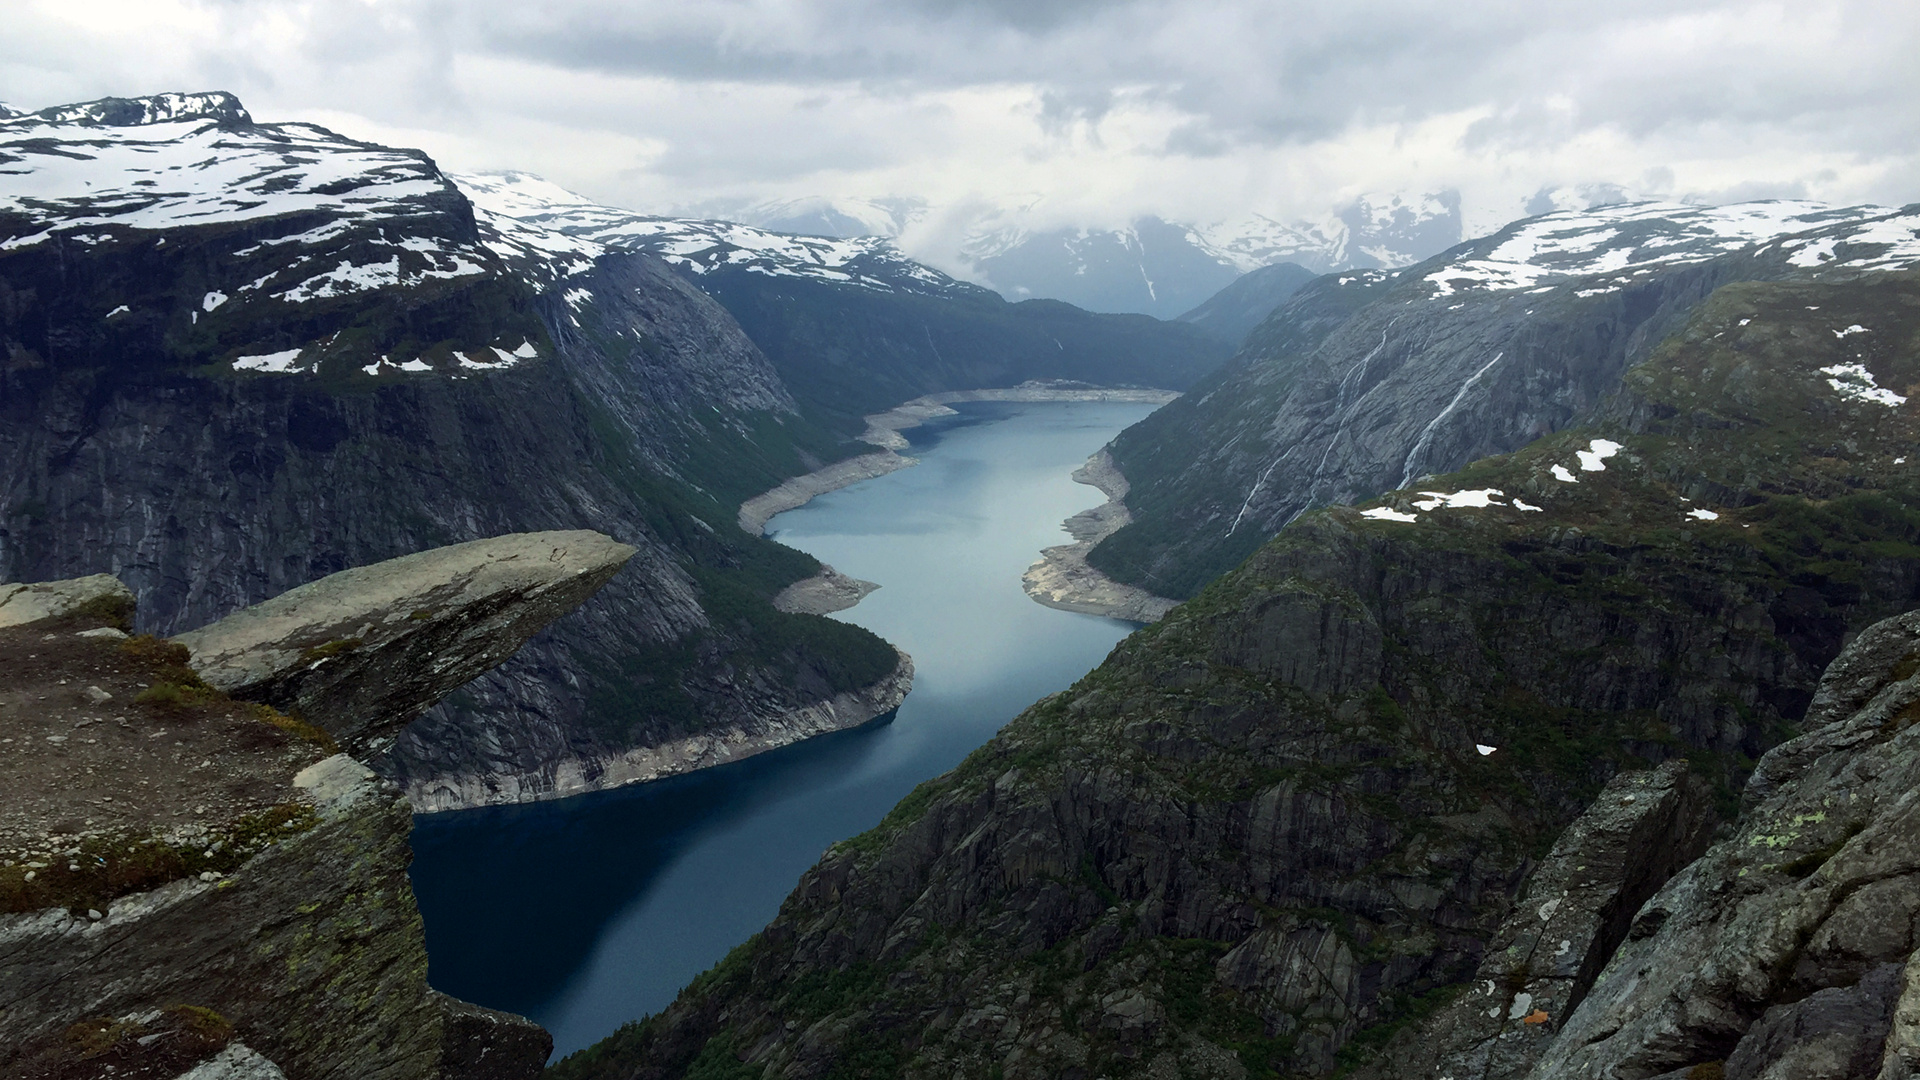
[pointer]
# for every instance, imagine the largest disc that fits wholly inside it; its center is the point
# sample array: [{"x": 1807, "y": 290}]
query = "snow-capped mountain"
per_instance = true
[
  {"x": 1165, "y": 269},
  {"x": 1612, "y": 246},
  {"x": 1365, "y": 380},
  {"x": 819, "y": 216},
  {"x": 520, "y": 201}
]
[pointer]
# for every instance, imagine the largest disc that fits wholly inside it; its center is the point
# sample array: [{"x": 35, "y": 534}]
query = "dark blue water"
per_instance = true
[{"x": 592, "y": 911}]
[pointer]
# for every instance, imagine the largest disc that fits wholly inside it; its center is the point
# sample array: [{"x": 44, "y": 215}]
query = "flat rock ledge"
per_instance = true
[
  {"x": 1062, "y": 577},
  {"x": 361, "y": 652},
  {"x": 575, "y": 776},
  {"x": 825, "y": 592},
  {"x": 884, "y": 428},
  {"x": 97, "y": 593}
]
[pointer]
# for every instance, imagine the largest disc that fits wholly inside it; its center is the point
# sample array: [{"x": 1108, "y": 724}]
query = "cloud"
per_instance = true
[{"x": 1086, "y": 112}]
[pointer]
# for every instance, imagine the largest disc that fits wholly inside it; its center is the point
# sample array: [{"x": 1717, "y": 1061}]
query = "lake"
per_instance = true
[{"x": 588, "y": 912}]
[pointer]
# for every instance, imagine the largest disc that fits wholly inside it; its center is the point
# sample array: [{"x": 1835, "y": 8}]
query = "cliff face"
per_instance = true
[
  {"x": 220, "y": 388},
  {"x": 1288, "y": 821},
  {"x": 1367, "y": 381},
  {"x": 251, "y": 912}
]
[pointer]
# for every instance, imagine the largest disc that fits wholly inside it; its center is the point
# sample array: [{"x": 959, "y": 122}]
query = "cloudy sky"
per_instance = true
[{"x": 1087, "y": 111}]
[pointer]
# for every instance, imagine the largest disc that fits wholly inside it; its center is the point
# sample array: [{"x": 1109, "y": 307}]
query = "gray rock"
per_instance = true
[
  {"x": 1780, "y": 951},
  {"x": 236, "y": 1062},
  {"x": 486, "y": 1044},
  {"x": 1578, "y": 907},
  {"x": 21, "y": 604},
  {"x": 361, "y": 652}
]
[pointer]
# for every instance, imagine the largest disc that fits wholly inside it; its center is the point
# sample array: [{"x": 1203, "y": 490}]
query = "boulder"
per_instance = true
[
  {"x": 361, "y": 652},
  {"x": 100, "y": 595}
]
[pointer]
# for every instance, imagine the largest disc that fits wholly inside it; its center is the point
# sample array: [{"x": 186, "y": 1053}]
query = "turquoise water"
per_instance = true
[{"x": 592, "y": 911}]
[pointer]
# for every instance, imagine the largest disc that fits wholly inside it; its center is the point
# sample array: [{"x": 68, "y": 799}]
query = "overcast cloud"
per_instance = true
[{"x": 1089, "y": 111}]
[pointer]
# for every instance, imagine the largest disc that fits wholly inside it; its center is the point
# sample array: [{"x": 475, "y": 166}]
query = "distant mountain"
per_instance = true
[
  {"x": 853, "y": 325},
  {"x": 1365, "y": 381},
  {"x": 840, "y": 218},
  {"x": 1230, "y": 313},
  {"x": 1163, "y": 269}
]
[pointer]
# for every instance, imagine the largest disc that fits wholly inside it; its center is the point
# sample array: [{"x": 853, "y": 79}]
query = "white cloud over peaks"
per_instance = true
[{"x": 1088, "y": 112}]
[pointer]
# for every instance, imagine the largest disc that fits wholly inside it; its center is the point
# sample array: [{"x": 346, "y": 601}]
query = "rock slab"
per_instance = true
[
  {"x": 361, "y": 652},
  {"x": 22, "y": 604}
]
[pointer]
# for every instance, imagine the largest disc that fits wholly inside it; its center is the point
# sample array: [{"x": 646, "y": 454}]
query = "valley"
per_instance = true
[{"x": 1517, "y": 678}]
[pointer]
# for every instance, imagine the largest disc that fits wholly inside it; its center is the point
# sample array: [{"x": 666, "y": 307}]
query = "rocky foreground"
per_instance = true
[{"x": 194, "y": 881}]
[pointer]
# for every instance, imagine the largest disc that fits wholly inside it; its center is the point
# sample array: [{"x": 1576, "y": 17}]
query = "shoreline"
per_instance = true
[
  {"x": 883, "y": 431},
  {"x": 582, "y": 775},
  {"x": 1063, "y": 579}
]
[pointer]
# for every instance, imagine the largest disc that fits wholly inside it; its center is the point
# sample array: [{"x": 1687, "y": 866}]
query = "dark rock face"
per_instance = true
[
  {"x": 1365, "y": 382},
  {"x": 361, "y": 652},
  {"x": 1788, "y": 950},
  {"x": 1260, "y": 835},
  {"x": 486, "y": 1044},
  {"x": 1576, "y": 909}
]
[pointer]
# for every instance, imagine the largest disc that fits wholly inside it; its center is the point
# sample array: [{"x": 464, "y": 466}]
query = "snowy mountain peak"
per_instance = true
[
  {"x": 521, "y": 201},
  {"x": 217, "y": 105},
  {"x": 1615, "y": 244}
]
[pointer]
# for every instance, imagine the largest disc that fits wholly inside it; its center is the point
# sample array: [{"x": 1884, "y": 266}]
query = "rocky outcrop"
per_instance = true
[
  {"x": 1790, "y": 948},
  {"x": 751, "y": 736},
  {"x": 1062, "y": 579},
  {"x": 251, "y": 920},
  {"x": 1576, "y": 909},
  {"x": 362, "y": 652},
  {"x": 95, "y": 594},
  {"x": 828, "y": 591}
]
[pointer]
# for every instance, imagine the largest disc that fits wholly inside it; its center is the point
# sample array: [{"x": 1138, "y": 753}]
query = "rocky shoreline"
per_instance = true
[
  {"x": 582, "y": 774},
  {"x": 1063, "y": 579},
  {"x": 883, "y": 431}
]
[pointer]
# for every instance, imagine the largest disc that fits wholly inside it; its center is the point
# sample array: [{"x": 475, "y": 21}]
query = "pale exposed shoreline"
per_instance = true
[
  {"x": 883, "y": 431},
  {"x": 1063, "y": 579},
  {"x": 581, "y": 774}
]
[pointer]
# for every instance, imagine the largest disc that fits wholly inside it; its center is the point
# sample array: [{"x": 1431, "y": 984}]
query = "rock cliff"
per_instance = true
[
  {"x": 1288, "y": 823},
  {"x": 252, "y": 912},
  {"x": 225, "y": 382}
]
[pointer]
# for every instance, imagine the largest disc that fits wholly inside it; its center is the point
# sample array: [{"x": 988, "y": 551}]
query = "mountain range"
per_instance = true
[{"x": 243, "y": 355}]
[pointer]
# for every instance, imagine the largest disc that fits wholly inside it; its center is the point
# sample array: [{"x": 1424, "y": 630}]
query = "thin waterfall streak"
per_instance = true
[
  {"x": 1425, "y": 440},
  {"x": 1339, "y": 407}
]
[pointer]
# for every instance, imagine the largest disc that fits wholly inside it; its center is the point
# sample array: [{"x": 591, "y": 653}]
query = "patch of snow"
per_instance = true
[
  {"x": 1484, "y": 749},
  {"x": 1597, "y": 452},
  {"x": 1744, "y": 322},
  {"x": 1387, "y": 513},
  {"x": 415, "y": 365},
  {"x": 1856, "y": 328},
  {"x": 212, "y": 300},
  {"x": 1854, "y": 381},
  {"x": 278, "y": 363},
  {"x": 1481, "y": 497},
  {"x": 576, "y": 297},
  {"x": 1899, "y": 461},
  {"x": 526, "y": 351},
  {"x": 1560, "y": 473},
  {"x": 1703, "y": 515},
  {"x": 121, "y": 310},
  {"x": 1518, "y": 504}
]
